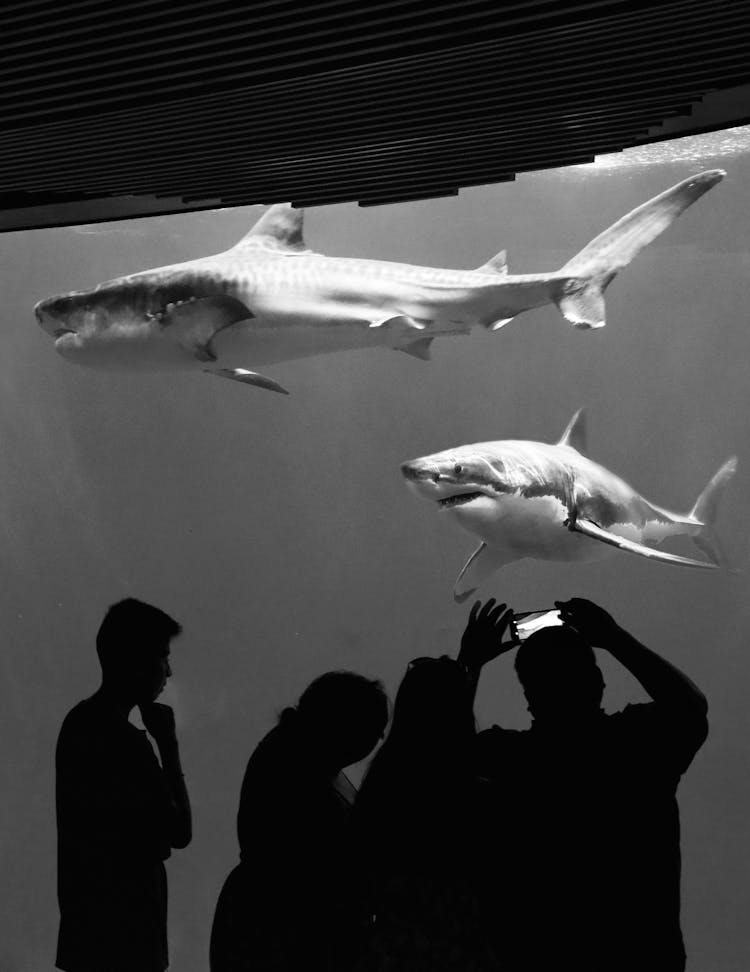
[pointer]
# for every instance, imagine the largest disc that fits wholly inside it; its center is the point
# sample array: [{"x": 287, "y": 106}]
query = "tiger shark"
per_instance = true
[
  {"x": 550, "y": 502},
  {"x": 270, "y": 299}
]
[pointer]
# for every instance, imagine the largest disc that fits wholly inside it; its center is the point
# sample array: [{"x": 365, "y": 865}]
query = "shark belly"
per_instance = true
[
  {"x": 270, "y": 340},
  {"x": 528, "y": 526}
]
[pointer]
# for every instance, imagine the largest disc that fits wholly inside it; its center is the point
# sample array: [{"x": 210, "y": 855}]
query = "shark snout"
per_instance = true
[
  {"x": 48, "y": 314},
  {"x": 419, "y": 471},
  {"x": 42, "y": 314}
]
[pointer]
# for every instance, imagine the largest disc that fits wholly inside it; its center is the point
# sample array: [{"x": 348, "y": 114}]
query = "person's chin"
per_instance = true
[{"x": 146, "y": 698}]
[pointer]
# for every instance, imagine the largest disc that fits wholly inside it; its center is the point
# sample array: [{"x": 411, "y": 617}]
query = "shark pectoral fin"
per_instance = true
[
  {"x": 496, "y": 325},
  {"x": 398, "y": 320},
  {"x": 591, "y": 529},
  {"x": 419, "y": 348},
  {"x": 482, "y": 563},
  {"x": 194, "y": 323},
  {"x": 248, "y": 378}
]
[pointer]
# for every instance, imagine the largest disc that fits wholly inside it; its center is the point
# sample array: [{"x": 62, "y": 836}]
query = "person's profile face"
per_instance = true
[
  {"x": 153, "y": 674},
  {"x": 361, "y": 744}
]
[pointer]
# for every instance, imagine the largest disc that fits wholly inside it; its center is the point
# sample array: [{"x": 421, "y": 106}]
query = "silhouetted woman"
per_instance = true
[
  {"x": 293, "y": 902},
  {"x": 418, "y": 810}
]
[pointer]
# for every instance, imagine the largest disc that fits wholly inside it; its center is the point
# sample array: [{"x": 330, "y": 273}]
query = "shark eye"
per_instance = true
[{"x": 458, "y": 469}]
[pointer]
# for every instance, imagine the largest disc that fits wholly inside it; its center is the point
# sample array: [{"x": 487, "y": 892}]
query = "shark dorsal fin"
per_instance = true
[
  {"x": 279, "y": 228},
  {"x": 575, "y": 433},
  {"x": 498, "y": 264}
]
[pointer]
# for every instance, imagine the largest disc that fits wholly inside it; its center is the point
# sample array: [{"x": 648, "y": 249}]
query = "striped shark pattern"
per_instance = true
[{"x": 270, "y": 299}]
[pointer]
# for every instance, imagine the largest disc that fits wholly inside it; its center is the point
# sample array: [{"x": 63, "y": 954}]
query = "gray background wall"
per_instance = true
[{"x": 279, "y": 532}]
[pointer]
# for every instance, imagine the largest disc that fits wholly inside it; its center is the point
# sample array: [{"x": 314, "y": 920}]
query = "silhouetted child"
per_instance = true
[
  {"x": 590, "y": 840},
  {"x": 294, "y": 901},
  {"x": 119, "y": 811},
  {"x": 417, "y": 816}
]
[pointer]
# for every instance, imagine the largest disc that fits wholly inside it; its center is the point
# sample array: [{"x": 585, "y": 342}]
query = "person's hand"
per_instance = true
[
  {"x": 591, "y": 622},
  {"x": 482, "y": 639},
  {"x": 159, "y": 721}
]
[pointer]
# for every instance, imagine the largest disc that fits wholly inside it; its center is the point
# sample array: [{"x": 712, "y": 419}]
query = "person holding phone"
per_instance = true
[
  {"x": 120, "y": 810},
  {"x": 587, "y": 799}
]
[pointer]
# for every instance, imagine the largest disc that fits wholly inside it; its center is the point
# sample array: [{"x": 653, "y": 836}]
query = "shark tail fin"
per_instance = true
[
  {"x": 705, "y": 510},
  {"x": 578, "y": 289}
]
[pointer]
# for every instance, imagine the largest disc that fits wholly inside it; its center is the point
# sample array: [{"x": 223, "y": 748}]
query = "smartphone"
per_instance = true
[{"x": 526, "y": 623}]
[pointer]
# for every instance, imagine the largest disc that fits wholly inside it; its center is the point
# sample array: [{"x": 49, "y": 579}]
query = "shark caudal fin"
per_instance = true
[
  {"x": 705, "y": 511},
  {"x": 579, "y": 288}
]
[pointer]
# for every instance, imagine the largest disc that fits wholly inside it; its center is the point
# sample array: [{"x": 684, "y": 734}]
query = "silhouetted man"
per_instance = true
[
  {"x": 585, "y": 868},
  {"x": 119, "y": 811}
]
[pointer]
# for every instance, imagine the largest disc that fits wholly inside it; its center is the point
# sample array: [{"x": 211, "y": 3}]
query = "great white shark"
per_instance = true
[
  {"x": 270, "y": 299},
  {"x": 550, "y": 502}
]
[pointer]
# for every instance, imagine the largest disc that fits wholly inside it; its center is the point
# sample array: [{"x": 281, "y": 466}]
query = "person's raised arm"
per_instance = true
[
  {"x": 666, "y": 685},
  {"x": 159, "y": 721},
  {"x": 482, "y": 640}
]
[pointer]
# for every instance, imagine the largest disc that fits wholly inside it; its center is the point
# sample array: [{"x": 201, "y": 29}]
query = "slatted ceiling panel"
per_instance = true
[
  {"x": 206, "y": 175},
  {"x": 260, "y": 39},
  {"x": 561, "y": 46},
  {"x": 155, "y": 106}
]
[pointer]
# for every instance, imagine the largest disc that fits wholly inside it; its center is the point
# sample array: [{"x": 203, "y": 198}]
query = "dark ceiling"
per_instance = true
[{"x": 113, "y": 111}]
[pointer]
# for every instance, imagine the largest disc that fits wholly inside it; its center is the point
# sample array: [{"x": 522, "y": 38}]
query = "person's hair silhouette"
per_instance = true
[
  {"x": 432, "y": 723},
  {"x": 345, "y": 715},
  {"x": 416, "y": 816},
  {"x": 120, "y": 810},
  {"x": 133, "y": 633},
  {"x": 294, "y": 901}
]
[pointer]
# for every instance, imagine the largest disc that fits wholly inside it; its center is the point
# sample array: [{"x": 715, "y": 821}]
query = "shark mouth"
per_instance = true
[
  {"x": 459, "y": 499},
  {"x": 167, "y": 309}
]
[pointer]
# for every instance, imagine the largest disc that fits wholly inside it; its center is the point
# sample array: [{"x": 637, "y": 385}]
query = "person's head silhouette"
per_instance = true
[
  {"x": 419, "y": 775},
  {"x": 133, "y": 648},
  {"x": 342, "y": 715},
  {"x": 432, "y": 705},
  {"x": 559, "y": 675}
]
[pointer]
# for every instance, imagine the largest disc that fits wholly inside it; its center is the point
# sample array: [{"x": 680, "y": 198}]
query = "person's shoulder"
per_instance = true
[
  {"x": 633, "y": 712},
  {"x": 635, "y": 718},
  {"x": 657, "y": 731},
  {"x": 79, "y": 718},
  {"x": 500, "y": 732},
  {"x": 91, "y": 724},
  {"x": 497, "y": 738},
  {"x": 80, "y": 733},
  {"x": 274, "y": 760},
  {"x": 275, "y": 745}
]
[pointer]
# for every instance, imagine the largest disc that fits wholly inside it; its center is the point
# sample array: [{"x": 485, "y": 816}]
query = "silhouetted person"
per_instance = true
[
  {"x": 119, "y": 811},
  {"x": 591, "y": 847},
  {"x": 417, "y": 815},
  {"x": 294, "y": 902}
]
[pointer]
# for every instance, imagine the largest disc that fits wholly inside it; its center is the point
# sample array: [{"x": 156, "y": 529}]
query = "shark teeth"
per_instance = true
[
  {"x": 459, "y": 499},
  {"x": 168, "y": 308}
]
